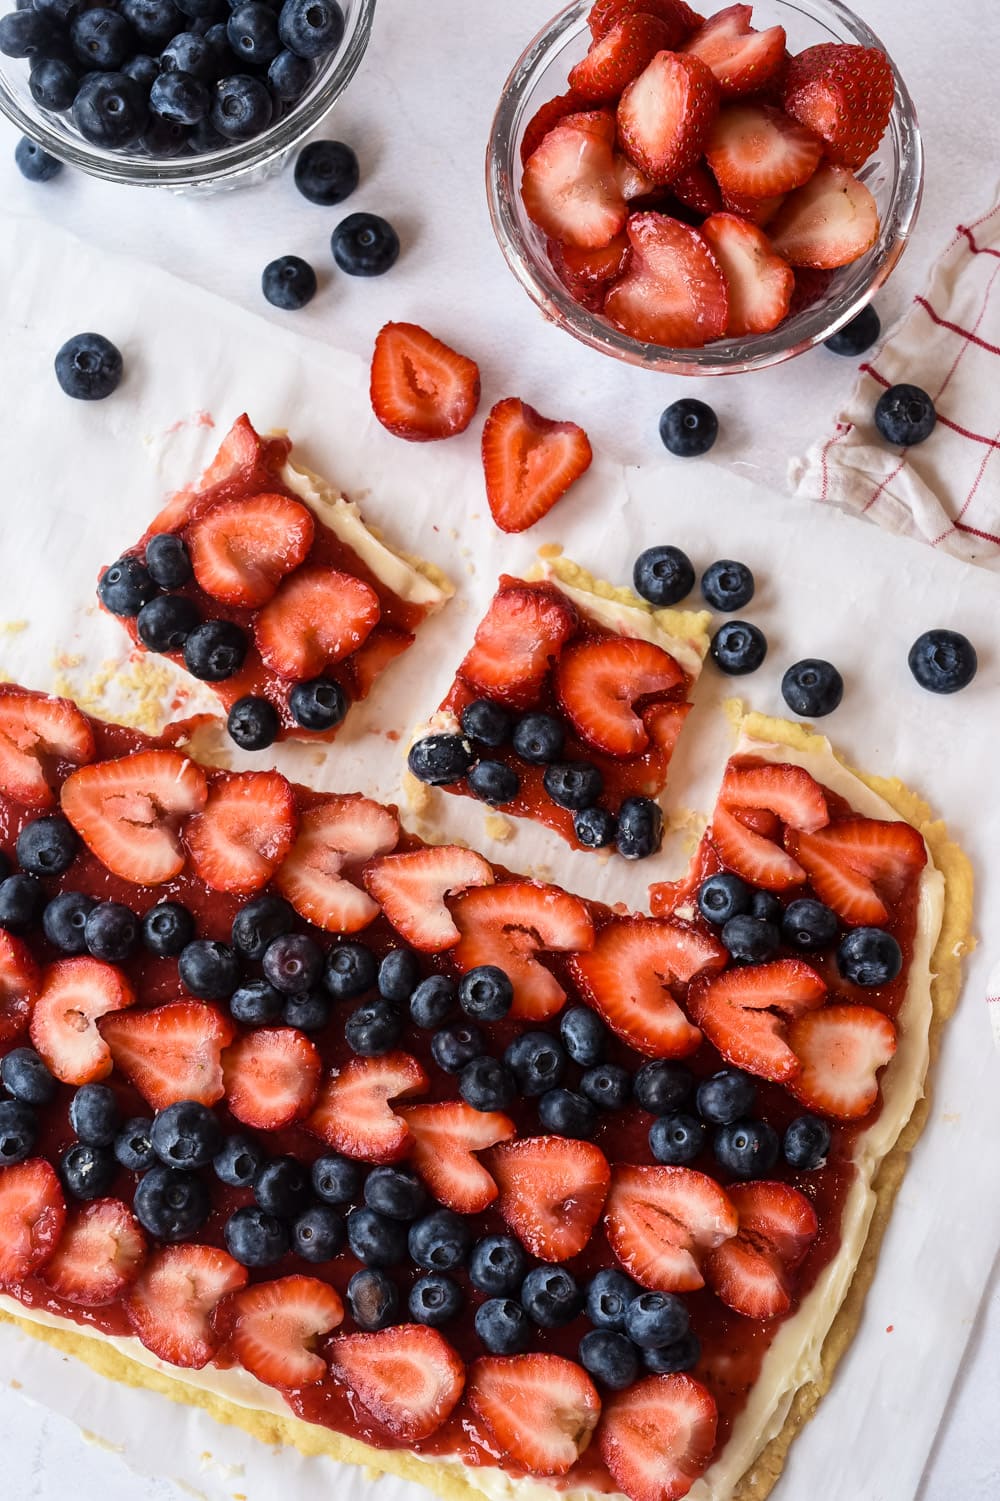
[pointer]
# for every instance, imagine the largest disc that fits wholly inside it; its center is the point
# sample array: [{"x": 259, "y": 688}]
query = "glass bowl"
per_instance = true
[
  {"x": 229, "y": 166},
  {"x": 894, "y": 175}
]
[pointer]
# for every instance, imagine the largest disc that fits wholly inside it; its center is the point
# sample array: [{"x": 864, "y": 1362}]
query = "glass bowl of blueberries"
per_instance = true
[{"x": 176, "y": 93}]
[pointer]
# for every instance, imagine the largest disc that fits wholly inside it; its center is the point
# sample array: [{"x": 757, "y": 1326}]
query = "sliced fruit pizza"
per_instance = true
[
  {"x": 482, "y": 1182},
  {"x": 264, "y": 582}
]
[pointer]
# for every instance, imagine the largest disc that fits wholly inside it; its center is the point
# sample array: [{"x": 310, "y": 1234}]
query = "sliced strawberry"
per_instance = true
[
  {"x": 74, "y": 994},
  {"x": 354, "y": 1114},
  {"x": 830, "y": 222},
  {"x": 844, "y": 94},
  {"x": 372, "y": 658},
  {"x": 759, "y": 284},
  {"x": 529, "y": 462},
  {"x": 750, "y": 855},
  {"x": 317, "y": 618},
  {"x": 598, "y": 681},
  {"x": 697, "y": 189},
  {"x": 171, "y": 1053},
  {"x": 37, "y": 732},
  {"x": 633, "y": 184},
  {"x": 127, "y": 812},
  {"x": 32, "y": 1216},
  {"x": 810, "y": 287},
  {"x": 544, "y": 119},
  {"x": 678, "y": 17},
  {"x": 246, "y": 829},
  {"x": 673, "y": 291},
  {"x": 242, "y": 549},
  {"x": 744, "y": 61},
  {"x": 752, "y": 1272},
  {"x": 840, "y": 1050},
  {"x": 100, "y": 1254},
  {"x": 757, "y": 151},
  {"x": 421, "y": 389},
  {"x": 517, "y": 642},
  {"x": 587, "y": 273},
  {"x": 271, "y": 1077},
  {"x": 626, "y": 974},
  {"x": 552, "y": 1191},
  {"x": 509, "y": 925},
  {"x": 665, "y": 115},
  {"x": 340, "y": 831},
  {"x": 658, "y": 1437},
  {"x": 276, "y": 1327},
  {"x": 170, "y": 1307},
  {"x": 744, "y": 1013},
  {"x": 759, "y": 211},
  {"x": 411, "y": 889},
  {"x": 569, "y": 186},
  {"x": 854, "y": 864},
  {"x": 20, "y": 982},
  {"x": 620, "y": 55},
  {"x": 408, "y": 1378},
  {"x": 785, "y": 790},
  {"x": 662, "y": 1221},
  {"x": 445, "y": 1138},
  {"x": 541, "y": 1410},
  {"x": 664, "y": 723}
]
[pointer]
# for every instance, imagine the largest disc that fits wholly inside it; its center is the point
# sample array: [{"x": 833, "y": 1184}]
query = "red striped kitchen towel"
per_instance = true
[{"x": 947, "y": 489}]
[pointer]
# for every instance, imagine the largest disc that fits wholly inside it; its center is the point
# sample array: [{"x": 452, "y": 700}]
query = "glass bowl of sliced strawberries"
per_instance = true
[{"x": 704, "y": 194}]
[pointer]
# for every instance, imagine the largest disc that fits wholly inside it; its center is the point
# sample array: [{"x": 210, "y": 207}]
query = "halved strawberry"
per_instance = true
[
  {"x": 372, "y": 658},
  {"x": 757, "y": 151},
  {"x": 744, "y": 61},
  {"x": 634, "y": 184},
  {"x": 569, "y": 187},
  {"x": 276, "y": 1326},
  {"x": 171, "y": 1053},
  {"x": 745, "y": 1012},
  {"x": 421, "y": 389},
  {"x": 171, "y": 1304},
  {"x": 242, "y": 549},
  {"x": 271, "y": 1077},
  {"x": 508, "y": 925},
  {"x": 658, "y": 1437},
  {"x": 810, "y": 286},
  {"x": 752, "y": 1272},
  {"x": 545, "y": 118},
  {"x": 32, "y": 1216},
  {"x": 445, "y": 1138},
  {"x": 665, "y": 115},
  {"x": 529, "y": 462},
  {"x": 74, "y": 994},
  {"x": 37, "y": 733},
  {"x": 664, "y": 723},
  {"x": 626, "y": 975},
  {"x": 598, "y": 681},
  {"x": 239, "y": 452},
  {"x": 127, "y": 812},
  {"x": 100, "y": 1254},
  {"x": 674, "y": 14},
  {"x": 411, "y": 889},
  {"x": 785, "y": 790},
  {"x": 614, "y": 59},
  {"x": 751, "y": 855},
  {"x": 587, "y": 273},
  {"x": 246, "y": 829},
  {"x": 697, "y": 189},
  {"x": 662, "y": 1221},
  {"x": 759, "y": 284},
  {"x": 854, "y": 864},
  {"x": 354, "y": 1113},
  {"x": 840, "y": 1050},
  {"x": 759, "y": 211},
  {"x": 409, "y": 1379},
  {"x": 342, "y": 830},
  {"x": 673, "y": 291},
  {"x": 830, "y": 222},
  {"x": 844, "y": 94},
  {"x": 20, "y": 982},
  {"x": 517, "y": 641},
  {"x": 541, "y": 1410},
  {"x": 552, "y": 1191},
  {"x": 316, "y": 619}
]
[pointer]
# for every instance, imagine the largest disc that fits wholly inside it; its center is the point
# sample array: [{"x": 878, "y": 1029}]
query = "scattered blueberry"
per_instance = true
[
  {"x": 259, "y": 923},
  {"x": 25, "y": 1075},
  {"x": 364, "y": 245},
  {"x": 133, "y": 1146},
  {"x": 111, "y": 932},
  {"x": 564, "y": 1112},
  {"x": 943, "y": 661},
  {"x": 319, "y": 1233},
  {"x": 293, "y": 963},
  {"x": 350, "y": 970},
  {"x": 453, "y": 1048},
  {"x": 310, "y": 28},
  {"x": 93, "y": 1114},
  {"x": 433, "y": 1002},
  {"x": 485, "y": 993},
  {"x": 723, "y": 896},
  {"x": 857, "y": 336},
  {"x": 663, "y": 576},
  {"x": 676, "y": 1140},
  {"x": 18, "y": 1131},
  {"x": 538, "y": 739},
  {"x": 439, "y": 1241},
  {"x": 53, "y": 84},
  {"x": 812, "y": 688},
  {"x": 88, "y": 1172},
  {"x": 238, "y": 1161},
  {"x": 242, "y": 107},
  {"x": 253, "y": 723},
  {"x": 440, "y": 760},
  {"x": 88, "y": 368},
  {"x": 375, "y": 1239},
  {"x": 808, "y": 925},
  {"x": 905, "y": 415},
  {"x": 289, "y": 283},
  {"x": 33, "y": 161},
  {"x": 608, "y": 1295},
  {"x": 282, "y": 1187},
  {"x": 662, "y": 1086},
  {"x": 503, "y": 1326},
  {"x": 254, "y": 1237},
  {"x": 738, "y": 648},
  {"x": 374, "y": 1028},
  {"x": 485, "y": 722},
  {"x": 171, "y": 1205},
  {"x": 726, "y": 1096},
  {"x": 208, "y": 970},
  {"x": 336, "y": 1180},
  {"x": 186, "y": 1135},
  {"x": 326, "y": 172},
  {"x": 167, "y": 929},
  {"x": 584, "y": 1035},
  {"x": 110, "y": 110},
  {"x": 688, "y": 428},
  {"x": 396, "y": 1192},
  {"x": 435, "y": 1300},
  {"x": 550, "y": 1296},
  {"x": 215, "y": 651},
  {"x": 168, "y": 561},
  {"x": 486, "y": 1084},
  {"x": 372, "y": 1299},
  {"x": 289, "y": 76},
  {"x": 256, "y": 1004},
  {"x": 727, "y": 585},
  {"x": 537, "y": 1062},
  {"x": 497, "y": 1265},
  {"x": 494, "y": 783},
  {"x": 806, "y": 1143},
  {"x": 682, "y": 1356},
  {"x": 47, "y": 846},
  {"x": 640, "y": 828},
  {"x": 165, "y": 622},
  {"x": 750, "y": 940},
  {"x": 608, "y": 1086},
  {"x": 869, "y": 957},
  {"x": 595, "y": 828},
  {"x": 610, "y": 1358},
  {"x": 653, "y": 1320},
  {"x": 22, "y": 899},
  {"x": 573, "y": 784}
]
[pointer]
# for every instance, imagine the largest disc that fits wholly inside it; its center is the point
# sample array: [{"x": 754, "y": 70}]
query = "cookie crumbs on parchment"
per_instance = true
[
  {"x": 550, "y": 550},
  {"x": 12, "y": 627},
  {"x": 139, "y": 687}
]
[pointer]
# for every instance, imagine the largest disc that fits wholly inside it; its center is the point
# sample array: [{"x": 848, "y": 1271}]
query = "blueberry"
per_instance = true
[
  {"x": 723, "y": 896},
  {"x": 608, "y": 1086},
  {"x": 375, "y": 1239},
  {"x": 144, "y": 70},
  {"x": 88, "y": 368},
  {"x": 242, "y": 107},
  {"x": 181, "y": 100},
  {"x": 311, "y": 28},
  {"x": 259, "y": 923},
  {"x": 765, "y": 905},
  {"x": 566, "y": 1113},
  {"x": 167, "y": 929},
  {"x": 24, "y": 1074},
  {"x": 433, "y": 1002},
  {"x": 905, "y": 415},
  {"x": 610, "y": 1358},
  {"x": 653, "y": 1320},
  {"x": 497, "y": 1265},
  {"x": 494, "y": 783},
  {"x": 293, "y": 963},
  {"x": 503, "y": 1326},
  {"x": 256, "y": 1004},
  {"x": 750, "y": 940},
  {"x": 608, "y": 1295},
  {"x": 747, "y": 1149},
  {"x": 18, "y": 1131},
  {"x": 398, "y": 974},
  {"x": 539, "y": 739},
  {"x": 453, "y": 1048},
  {"x": 59, "y": 12},
  {"x": 806, "y": 1143},
  {"x": 943, "y": 661},
  {"x": 88, "y": 1172},
  {"x": 335, "y": 1179},
  {"x": 93, "y": 1114},
  {"x": 191, "y": 54},
  {"x": 154, "y": 22},
  {"x": 126, "y": 586},
  {"x": 289, "y": 283},
  {"x": 24, "y": 33},
  {"x": 485, "y": 993},
  {"x": 682, "y": 1356},
  {"x": 308, "y": 1013},
  {"x": 584, "y": 1035},
  {"x": 33, "y": 162},
  {"x": 350, "y": 970},
  {"x": 165, "y": 138},
  {"x": 812, "y": 688},
  {"x": 168, "y": 561},
  {"x": 435, "y": 1300},
  {"x": 677, "y": 1139},
  {"x": 253, "y": 723},
  {"x": 204, "y": 137},
  {"x": 485, "y": 722},
  {"x": 111, "y": 932},
  {"x": 372, "y": 1299},
  {"x": 319, "y": 1233},
  {"x": 738, "y": 648},
  {"x": 857, "y": 336},
  {"x": 22, "y": 899},
  {"x": 808, "y": 925},
  {"x": 282, "y": 1187},
  {"x": 133, "y": 1146},
  {"x": 201, "y": 10},
  {"x": 289, "y": 76},
  {"x": 537, "y": 1061},
  {"x": 171, "y": 1205},
  {"x": 253, "y": 32},
  {"x": 47, "y": 846},
  {"x": 255, "y": 1238},
  {"x": 364, "y": 245},
  {"x": 165, "y": 623},
  {"x": 102, "y": 38},
  {"x": 688, "y": 428},
  {"x": 869, "y": 957},
  {"x": 550, "y": 1296},
  {"x": 595, "y": 828},
  {"x": 486, "y": 1084},
  {"x": 439, "y": 1241},
  {"x": 640, "y": 828},
  {"x": 320, "y": 704},
  {"x": 396, "y": 1192},
  {"x": 374, "y": 1028},
  {"x": 726, "y": 1096},
  {"x": 663, "y": 576},
  {"x": 727, "y": 585},
  {"x": 662, "y": 1086},
  {"x": 326, "y": 172},
  {"x": 186, "y": 1135},
  {"x": 573, "y": 784},
  {"x": 53, "y": 84},
  {"x": 440, "y": 760},
  {"x": 215, "y": 650},
  {"x": 208, "y": 970},
  {"x": 238, "y": 1160}
]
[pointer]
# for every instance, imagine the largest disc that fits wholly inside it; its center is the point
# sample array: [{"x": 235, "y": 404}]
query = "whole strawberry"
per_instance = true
[{"x": 844, "y": 94}]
